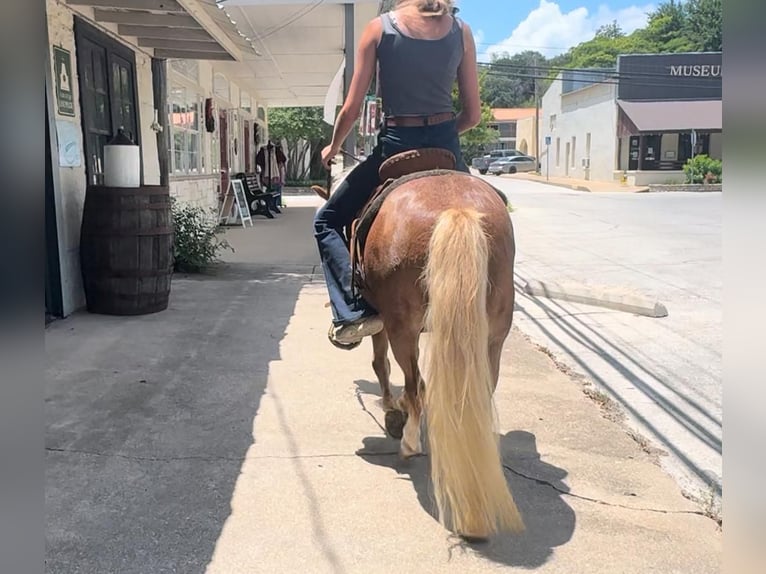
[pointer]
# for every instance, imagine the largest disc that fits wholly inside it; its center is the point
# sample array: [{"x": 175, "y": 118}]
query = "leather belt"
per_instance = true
[{"x": 419, "y": 121}]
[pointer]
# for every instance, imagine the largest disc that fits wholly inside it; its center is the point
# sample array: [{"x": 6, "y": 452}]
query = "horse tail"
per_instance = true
[{"x": 466, "y": 470}]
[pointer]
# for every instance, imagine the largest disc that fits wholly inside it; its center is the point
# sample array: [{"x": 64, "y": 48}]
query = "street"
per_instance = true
[{"x": 664, "y": 373}]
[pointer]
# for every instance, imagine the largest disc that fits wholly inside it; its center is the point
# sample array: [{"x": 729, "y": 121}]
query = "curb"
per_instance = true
[{"x": 600, "y": 298}]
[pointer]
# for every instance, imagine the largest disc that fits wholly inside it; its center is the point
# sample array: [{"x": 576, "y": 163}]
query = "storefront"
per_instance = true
[
  {"x": 669, "y": 110},
  {"x": 641, "y": 121},
  {"x": 120, "y": 64}
]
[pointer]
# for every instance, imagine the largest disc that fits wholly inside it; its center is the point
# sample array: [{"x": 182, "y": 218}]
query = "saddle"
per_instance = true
[{"x": 395, "y": 171}]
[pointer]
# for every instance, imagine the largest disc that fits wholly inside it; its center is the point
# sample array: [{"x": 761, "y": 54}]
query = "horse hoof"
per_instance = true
[{"x": 395, "y": 421}]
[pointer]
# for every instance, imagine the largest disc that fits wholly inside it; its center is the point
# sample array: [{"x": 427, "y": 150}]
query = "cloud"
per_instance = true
[{"x": 550, "y": 31}]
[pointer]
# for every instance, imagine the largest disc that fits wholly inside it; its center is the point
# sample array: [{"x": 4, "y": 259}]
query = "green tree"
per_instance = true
[
  {"x": 612, "y": 30},
  {"x": 704, "y": 24},
  {"x": 666, "y": 28},
  {"x": 474, "y": 141},
  {"x": 304, "y": 132},
  {"x": 510, "y": 81}
]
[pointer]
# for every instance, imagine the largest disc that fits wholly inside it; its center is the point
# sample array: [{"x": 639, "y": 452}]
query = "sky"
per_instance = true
[{"x": 548, "y": 26}]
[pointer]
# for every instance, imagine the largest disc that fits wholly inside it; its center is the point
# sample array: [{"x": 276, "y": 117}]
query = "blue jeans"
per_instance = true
[{"x": 350, "y": 197}]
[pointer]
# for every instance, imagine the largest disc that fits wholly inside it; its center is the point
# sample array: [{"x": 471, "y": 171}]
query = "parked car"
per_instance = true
[
  {"x": 516, "y": 164},
  {"x": 482, "y": 163}
]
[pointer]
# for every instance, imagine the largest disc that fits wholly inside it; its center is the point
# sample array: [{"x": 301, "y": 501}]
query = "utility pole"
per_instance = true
[
  {"x": 537, "y": 121},
  {"x": 350, "y": 46}
]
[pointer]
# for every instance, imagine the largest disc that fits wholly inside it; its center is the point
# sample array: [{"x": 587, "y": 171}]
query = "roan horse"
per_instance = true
[{"x": 438, "y": 258}]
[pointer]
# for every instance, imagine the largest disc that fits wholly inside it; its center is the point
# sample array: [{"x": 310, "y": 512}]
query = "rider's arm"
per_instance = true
[
  {"x": 468, "y": 84},
  {"x": 366, "y": 60}
]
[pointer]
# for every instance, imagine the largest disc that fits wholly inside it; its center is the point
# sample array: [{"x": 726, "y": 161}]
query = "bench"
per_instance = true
[{"x": 259, "y": 201}]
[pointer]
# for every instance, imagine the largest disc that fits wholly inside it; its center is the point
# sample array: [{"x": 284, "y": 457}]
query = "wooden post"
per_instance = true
[
  {"x": 349, "y": 48},
  {"x": 160, "y": 85}
]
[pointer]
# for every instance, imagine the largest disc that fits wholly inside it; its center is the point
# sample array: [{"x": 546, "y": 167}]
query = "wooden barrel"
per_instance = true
[{"x": 126, "y": 249}]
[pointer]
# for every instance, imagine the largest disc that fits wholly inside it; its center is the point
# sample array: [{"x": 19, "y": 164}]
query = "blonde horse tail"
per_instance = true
[{"x": 466, "y": 469}]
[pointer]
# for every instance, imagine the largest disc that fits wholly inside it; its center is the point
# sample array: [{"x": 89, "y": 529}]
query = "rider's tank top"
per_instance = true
[{"x": 417, "y": 76}]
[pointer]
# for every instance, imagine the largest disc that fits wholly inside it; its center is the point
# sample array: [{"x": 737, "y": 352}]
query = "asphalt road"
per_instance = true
[{"x": 665, "y": 373}]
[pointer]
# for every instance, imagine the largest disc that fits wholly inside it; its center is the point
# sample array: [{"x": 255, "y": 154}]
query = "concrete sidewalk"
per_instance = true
[
  {"x": 578, "y": 184},
  {"x": 226, "y": 435}
]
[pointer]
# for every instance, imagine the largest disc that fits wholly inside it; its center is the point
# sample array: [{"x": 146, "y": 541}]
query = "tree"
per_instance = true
[
  {"x": 612, "y": 30},
  {"x": 475, "y": 140},
  {"x": 304, "y": 132},
  {"x": 704, "y": 24},
  {"x": 510, "y": 81}
]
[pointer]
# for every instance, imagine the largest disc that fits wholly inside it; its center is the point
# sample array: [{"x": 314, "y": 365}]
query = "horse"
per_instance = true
[{"x": 438, "y": 259}]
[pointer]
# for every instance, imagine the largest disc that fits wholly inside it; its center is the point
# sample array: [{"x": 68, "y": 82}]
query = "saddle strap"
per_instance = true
[{"x": 354, "y": 253}]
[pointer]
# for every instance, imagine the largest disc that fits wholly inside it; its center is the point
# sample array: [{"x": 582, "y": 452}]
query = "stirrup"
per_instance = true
[{"x": 335, "y": 343}]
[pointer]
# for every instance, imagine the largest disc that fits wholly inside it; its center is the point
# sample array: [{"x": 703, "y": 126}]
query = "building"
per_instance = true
[
  {"x": 189, "y": 81},
  {"x": 527, "y": 134},
  {"x": 506, "y": 122},
  {"x": 642, "y": 120}
]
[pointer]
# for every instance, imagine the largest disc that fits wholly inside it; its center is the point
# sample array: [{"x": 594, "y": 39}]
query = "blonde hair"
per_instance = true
[{"x": 429, "y": 7}]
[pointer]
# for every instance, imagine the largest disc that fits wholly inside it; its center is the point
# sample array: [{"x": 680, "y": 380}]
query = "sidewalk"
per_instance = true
[
  {"x": 226, "y": 435},
  {"x": 579, "y": 184}
]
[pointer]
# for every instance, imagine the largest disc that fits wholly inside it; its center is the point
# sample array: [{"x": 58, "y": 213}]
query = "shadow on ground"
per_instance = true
[
  {"x": 149, "y": 419},
  {"x": 537, "y": 488}
]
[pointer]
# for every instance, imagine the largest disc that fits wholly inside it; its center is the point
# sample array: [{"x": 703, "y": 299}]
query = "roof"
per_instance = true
[
  {"x": 511, "y": 114},
  {"x": 674, "y": 115}
]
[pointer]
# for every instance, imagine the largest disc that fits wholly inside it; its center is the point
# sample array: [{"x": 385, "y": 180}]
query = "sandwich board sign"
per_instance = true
[{"x": 241, "y": 199}]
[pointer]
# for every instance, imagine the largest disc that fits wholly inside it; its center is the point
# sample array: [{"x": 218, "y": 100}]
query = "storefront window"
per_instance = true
[{"x": 186, "y": 123}]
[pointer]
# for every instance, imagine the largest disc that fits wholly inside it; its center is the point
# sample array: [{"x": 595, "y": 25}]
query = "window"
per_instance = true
[
  {"x": 558, "y": 152},
  {"x": 221, "y": 87},
  {"x": 186, "y": 136},
  {"x": 187, "y": 68},
  {"x": 245, "y": 102},
  {"x": 552, "y": 122}
]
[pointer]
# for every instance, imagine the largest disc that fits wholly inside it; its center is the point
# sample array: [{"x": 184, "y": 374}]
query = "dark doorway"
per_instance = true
[
  {"x": 651, "y": 152},
  {"x": 54, "y": 307},
  {"x": 108, "y": 97}
]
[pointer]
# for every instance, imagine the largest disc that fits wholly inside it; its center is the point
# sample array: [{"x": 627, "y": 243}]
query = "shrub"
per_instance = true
[
  {"x": 196, "y": 243},
  {"x": 703, "y": 169}
]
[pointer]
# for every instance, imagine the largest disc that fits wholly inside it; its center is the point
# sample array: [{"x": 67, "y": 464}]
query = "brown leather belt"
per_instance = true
[{"x": 419, "y": 121}]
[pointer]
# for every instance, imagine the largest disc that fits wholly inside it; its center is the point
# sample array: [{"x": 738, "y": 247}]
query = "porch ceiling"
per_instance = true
[
  {"x": 187, "y": 29},
  {"x": 300, "y": 46}
]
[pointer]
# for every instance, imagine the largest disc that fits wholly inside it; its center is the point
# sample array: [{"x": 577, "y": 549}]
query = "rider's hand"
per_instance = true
[{"x": 328, "y": 154}]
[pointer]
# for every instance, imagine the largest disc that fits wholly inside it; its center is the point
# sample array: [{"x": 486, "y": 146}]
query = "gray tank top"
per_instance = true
[{"x": 416, "y": 76}]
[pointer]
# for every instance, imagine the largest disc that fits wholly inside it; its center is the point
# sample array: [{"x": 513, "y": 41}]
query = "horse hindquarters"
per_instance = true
[{"x": 470, "y": 487}]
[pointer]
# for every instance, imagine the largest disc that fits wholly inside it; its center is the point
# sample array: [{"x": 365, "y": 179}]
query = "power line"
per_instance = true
[
  {"x": 591, "y": 71},
  {"x": 612, "y": 81}
]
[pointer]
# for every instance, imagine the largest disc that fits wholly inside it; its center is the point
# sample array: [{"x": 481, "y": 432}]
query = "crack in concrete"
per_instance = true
[
  {"x": 561, "y": 491},
  {"x": 361, "y": 453},
  {"x": 214, "y": 458}
]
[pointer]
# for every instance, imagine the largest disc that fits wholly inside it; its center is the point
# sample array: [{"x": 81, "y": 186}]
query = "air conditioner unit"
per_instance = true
[{"x": 586, "y": 162}]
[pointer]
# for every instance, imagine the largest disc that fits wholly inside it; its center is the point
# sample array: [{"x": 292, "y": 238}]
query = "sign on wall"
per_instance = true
[
  {"x": 62, "y": 72},
  {"x": 690, "y": 76}
]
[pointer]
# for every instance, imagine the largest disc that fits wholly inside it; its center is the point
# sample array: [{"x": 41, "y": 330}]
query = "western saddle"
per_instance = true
[{"x": 395, "y": 171}]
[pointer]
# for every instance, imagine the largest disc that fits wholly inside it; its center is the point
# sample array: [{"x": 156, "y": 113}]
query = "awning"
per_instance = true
[{"x": 674, "y": 116}]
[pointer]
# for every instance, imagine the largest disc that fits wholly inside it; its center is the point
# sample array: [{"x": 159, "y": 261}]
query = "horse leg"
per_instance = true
[
  {"x": 382, "y": 367},
  {"x": 404, "y": 344}
]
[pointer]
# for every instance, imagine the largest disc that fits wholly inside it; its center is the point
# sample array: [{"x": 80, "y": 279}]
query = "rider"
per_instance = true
[{"x": 420, "y": 49}]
